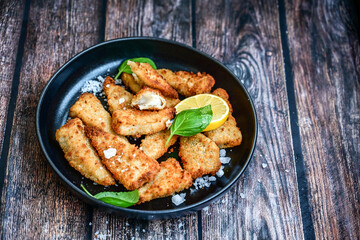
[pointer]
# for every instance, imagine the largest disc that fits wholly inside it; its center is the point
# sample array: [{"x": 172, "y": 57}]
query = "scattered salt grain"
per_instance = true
[
  {"x": 242, "y": 195},
  {"x": 90, "y": 223},
  {"x": 144, "y": 230},
  {"x": 202, "y": 182},
  {"x": 264, "y": 165},
  {"x": 212, "y": 179},
  {"x": 220, "y": 173},
  {"x": 121, "y": 100},
  {"x": 101, "y": 79},
  {"x": 225, "y": 160},
  {"x": 222, "y": 152},
  {"x": 107, "y": 85},
  {"x": 92, "y": 86},
  {"x": 109, "y": 153},
  {"x": 178, "y": 198},
  {"x": 108, "y": 70}
]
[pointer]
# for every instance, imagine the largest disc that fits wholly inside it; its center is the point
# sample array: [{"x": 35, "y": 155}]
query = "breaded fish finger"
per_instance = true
[
  {"x": 171, "y": 178},
  {"x": 154, "y": 145},
  {"x": 80, "y": 154},
  {"x": 125, "y": 161},
  {"x": 117, "y": 96},
  {"x": 90, "y": 110},
  {"x": 188, "y": 83},
  {"x": 199, "y": 155},
  {"x": 131, "y": 83},
  {"x": 136, "y": 122},
  {"x": 227, "y": 135},
  {"x": 148, "y": 99},
  {"x": 152, "y": 78}
]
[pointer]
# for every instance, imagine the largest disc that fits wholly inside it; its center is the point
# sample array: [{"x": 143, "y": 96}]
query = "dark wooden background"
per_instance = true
[{"x": 300, "y": 61}]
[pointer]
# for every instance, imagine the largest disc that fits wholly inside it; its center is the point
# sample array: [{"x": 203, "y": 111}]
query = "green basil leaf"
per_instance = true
[
  {"x": 120, "y": 199},
  {"x": 126, "y": 68},
  {"x": 190, "y": 122}
]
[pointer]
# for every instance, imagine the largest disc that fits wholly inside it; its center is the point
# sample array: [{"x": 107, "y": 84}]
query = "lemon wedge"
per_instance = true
[{"x": 218, "y": 106}]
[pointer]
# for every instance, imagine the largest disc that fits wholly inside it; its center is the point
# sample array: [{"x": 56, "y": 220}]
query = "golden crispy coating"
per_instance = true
[
  {"x": 171, "y": 178},
  {"x": 148, "y": 99},
  {"x": 188, "y": 83},
  {"x": 227, "y": 135},
  {"x": 125, "y": 161},
  {"x": 154, "y": 145},
  {"x": 130, "y": 82},
  {"x": 171, "y": 102},
  {"x": 80, "y": 154},
  {"x": 117, "y": 96},
  {"x": 90, "y": 110},
  {"x": 199, "y": 155},
  {"x": 136, "y": 122},
  {"x": 152, "y": 78},
  {"x": 220, "y": 92}
]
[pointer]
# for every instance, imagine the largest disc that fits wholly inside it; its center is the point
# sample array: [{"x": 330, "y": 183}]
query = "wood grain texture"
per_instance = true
[
  {"x": 147, "y": 18},
  {"x": 324, "y": 51},
  {"x": 37, "y": 206},
  {"x": 264, "y": 204},
  {"x": 11, "y": 16}
]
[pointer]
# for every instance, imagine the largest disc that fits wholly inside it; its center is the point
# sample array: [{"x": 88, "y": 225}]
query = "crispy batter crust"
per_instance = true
[
  {"x": 154, "y": 145},
  {"x": 152, "y": 78},
  {"x": 188, "y": 83},
  {"x": 136, "y": 123},
  {"x": 80, "y": 154},
  {"x": 171, "y": 102},
  {"x": 130, "y": 82},
  {"x": 130, "y": 165},
  {"x": 171, "y": 178},
  {"x": 227, "y": 135},
  {"x": 90, "y": 110},
  {"x": 117, "y": 96},
  {"x": 199, "y": 155},
  {"x": 142, "y": 98}
]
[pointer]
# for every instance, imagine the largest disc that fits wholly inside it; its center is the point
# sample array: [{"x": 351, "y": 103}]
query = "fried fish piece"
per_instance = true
[
  {"x": 117, "y": 96},
  {"x": 171, "y": 178},
  {"x": 154, "y": 145},
  {"x": 125, "y": 161},
  {"x": 136, "y": 122},
  {"x": 227, "y": 135},
  {"x": 199, "y": 155},
  {"x": 80, "y": 154},
  {"x": 90, "y": 110},
  {"x": 130, "y": 82},
  {"x": 150, "y": 77},
  {"x": 188, "y": 83},
  {"x": 171, "y": 102},
  {"x": 148, "y": 99}
]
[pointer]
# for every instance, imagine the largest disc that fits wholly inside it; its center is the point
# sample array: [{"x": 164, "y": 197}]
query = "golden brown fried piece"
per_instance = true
[
  {"x": 150, "y": 77},
  {"x": 171, "y": 102},
  {"x": 171, "y": 178},
  {"x": 199, "y": 155},
  {"x": 80, "y": 154},
  {"x": 136, "y": 122},
  {"x": 154, "y": 145},
  {"x": 188, "y": 83},
  {"x": 148, "y": 99},
  {"x": 117, "y": 96},
  {"x": 130, "y": 82},
  {"x": 90, "y": 110},
  {"x": 125, "y": 161},
  {"x": 227, "y": 135}
]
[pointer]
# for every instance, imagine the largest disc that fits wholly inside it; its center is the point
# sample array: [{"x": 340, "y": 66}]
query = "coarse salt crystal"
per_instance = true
[
  {"x": 92, "y": 86},
  {"x": 220, "y": 173},
  {"x": 212, "y": 179},
  {"x": 178, "y": 199},
  {"x": 222, "y": 152},
  {"x": 225, "y": 160},
  {"x": 100, "y": 78},
  {"x": 109, "y": 153}
]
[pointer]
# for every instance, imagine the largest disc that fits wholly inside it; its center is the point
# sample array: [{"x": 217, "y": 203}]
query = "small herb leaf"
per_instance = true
[
  {"x": 190, "y": 122},
  {"x": 126, "y": 68},
  {"x": 120, "y": 199}
]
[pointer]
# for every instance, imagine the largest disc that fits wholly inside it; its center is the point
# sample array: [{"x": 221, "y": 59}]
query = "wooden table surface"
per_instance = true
[{"x": 300, "y": 61}]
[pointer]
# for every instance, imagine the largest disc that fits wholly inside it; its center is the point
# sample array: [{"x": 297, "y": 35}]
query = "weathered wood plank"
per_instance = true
[
  {"x": 264, "y": 204},
  {"x": 11, "y": 16},
  {"x": 164, "y": 19},
  {"x": 324, "y": 52},
  {"x": 37, "y": 206}
]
